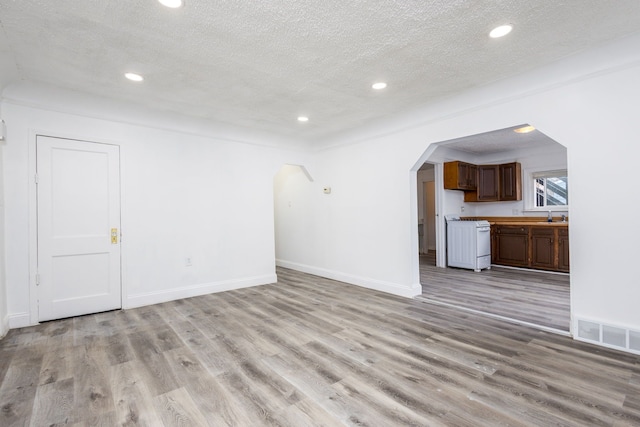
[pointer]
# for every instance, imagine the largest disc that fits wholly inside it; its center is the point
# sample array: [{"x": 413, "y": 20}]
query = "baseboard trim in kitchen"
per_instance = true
[
  {"x": 561, "y": 273},
  {"x": 497, "y": 316}
]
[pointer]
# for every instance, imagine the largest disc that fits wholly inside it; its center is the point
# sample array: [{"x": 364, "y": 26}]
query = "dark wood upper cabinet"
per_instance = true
[
  {"x": 484, "y": 183},
  {"x": 510, "y": 181},
  {"x": 460, "y": 176},
  {"x": 488, "y": 183}
]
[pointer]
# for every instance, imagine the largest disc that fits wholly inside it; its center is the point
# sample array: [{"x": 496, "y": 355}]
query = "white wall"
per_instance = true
[
  {"x": 4, "y": 316},
  {"x": 588, "y": 103},
  {"x": 360, "y": 235},
  {"x": 184, "y": 194}
]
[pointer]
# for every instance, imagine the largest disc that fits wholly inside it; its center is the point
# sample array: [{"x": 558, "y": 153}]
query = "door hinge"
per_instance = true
[
  {"x": 35, "y": 178},
  {"x": 37, "y": 279}
]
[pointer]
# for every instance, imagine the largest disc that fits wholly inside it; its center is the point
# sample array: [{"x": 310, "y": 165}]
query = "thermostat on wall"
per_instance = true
[{"x": 326, "y": 190}]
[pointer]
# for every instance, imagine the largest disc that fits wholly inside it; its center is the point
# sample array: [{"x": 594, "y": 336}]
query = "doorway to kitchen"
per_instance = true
[{"x": 527, "y": 296}]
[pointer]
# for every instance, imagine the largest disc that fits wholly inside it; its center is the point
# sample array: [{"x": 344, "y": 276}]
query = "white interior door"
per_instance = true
[{"x": 78, "y": 227}]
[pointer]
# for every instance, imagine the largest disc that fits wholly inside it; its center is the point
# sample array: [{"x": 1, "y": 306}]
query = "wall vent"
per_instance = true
[{"x": 609, "y": 336}]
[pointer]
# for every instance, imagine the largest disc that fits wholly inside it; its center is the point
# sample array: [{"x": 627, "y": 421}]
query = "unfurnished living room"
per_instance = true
[{"x": 221, "y": 213}]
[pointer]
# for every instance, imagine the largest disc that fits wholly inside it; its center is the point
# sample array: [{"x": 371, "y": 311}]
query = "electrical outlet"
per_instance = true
[
  {"x": 461, "y": 208},
  {"x": 187, "y": 262}
]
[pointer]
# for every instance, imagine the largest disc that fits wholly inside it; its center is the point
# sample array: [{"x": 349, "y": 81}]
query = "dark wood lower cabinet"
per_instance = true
[
  {"x": 541, "y": 247},
  {"x": 511, "y": 246},
  {"x": 563, "y": 249}
]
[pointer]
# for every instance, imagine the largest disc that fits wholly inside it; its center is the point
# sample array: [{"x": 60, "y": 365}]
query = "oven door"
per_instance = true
[{"x": 483, "y": 241}]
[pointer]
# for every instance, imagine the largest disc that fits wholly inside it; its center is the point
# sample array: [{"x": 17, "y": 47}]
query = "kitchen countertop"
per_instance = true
[
  {"x": 532, "y": 223},
  {"x": 522, "y": 220}
]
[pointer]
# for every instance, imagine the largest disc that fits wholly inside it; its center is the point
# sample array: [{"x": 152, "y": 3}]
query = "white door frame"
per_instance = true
[
  {"x": 32, "y": 315},
  {"x": 441, "y": 255}
]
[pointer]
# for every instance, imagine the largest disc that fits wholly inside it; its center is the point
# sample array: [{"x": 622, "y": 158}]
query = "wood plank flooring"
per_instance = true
[
  {"x": 308, "y": 351},
  {"x": 529, "y": 296}
]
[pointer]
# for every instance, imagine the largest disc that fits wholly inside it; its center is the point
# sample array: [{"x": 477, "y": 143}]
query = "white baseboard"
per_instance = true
[
  {"x": 19, "y": 320},
  {"x": 409, "y": 291},
  {"x": 4, "y": 327},
  {"x": 148, "y": 298}
]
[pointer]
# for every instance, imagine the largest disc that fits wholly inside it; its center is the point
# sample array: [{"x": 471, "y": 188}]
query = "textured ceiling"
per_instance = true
[
  {"x": 262, "y": 63},
  {"x": 500, "y": 141}
]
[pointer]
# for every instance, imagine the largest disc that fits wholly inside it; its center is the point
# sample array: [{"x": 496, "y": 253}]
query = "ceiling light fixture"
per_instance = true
[
  {"x": 379, "y": 85},
  {"x": 174, "y": 4},
  {"x": 134, "y": 77},
  {"x": 303, "y": 119},
  {"x": 501, "y": 31},
  {"x": 524, "y": 129}
]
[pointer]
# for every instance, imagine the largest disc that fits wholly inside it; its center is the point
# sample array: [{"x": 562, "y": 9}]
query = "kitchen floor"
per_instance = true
[{"x": 525, "y": 296}]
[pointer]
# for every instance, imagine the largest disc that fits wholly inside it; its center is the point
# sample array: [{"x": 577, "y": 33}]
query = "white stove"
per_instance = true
[{"x": 468, "y": 243}]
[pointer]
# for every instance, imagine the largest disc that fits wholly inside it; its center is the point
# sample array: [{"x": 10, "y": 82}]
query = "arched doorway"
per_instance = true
[
  {"x": 524, "y": 295},
  {"x": 292, "y": 201}
]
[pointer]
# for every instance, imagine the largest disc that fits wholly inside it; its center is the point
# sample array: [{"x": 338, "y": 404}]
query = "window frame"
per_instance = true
[{"x": 529, "y": 191}]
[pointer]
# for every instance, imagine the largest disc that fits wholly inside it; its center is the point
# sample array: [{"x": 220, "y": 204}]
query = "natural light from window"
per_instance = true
[{"x": 551, "y": 189}]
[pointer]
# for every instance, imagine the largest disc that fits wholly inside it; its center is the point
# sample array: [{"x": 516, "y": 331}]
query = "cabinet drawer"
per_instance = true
[
  {"x": 507, "y": 229},
  {"x": 542, "y": 231}
]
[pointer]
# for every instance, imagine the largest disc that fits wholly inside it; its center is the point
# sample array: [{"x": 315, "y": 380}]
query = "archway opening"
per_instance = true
[
  {"x": 293, "y": 203},
  {"x": 530, "y": 292}
]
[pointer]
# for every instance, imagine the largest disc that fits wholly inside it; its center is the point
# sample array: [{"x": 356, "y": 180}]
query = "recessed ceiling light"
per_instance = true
[
  {"x": 134, "y": 77},
  {"x": 379, "y": 85},
  {"x": 303, "y": 119},
  {"x": 174, "y": 4},
  {"x": 500, "y": 31},
  {"x": 524, "y": 129}
]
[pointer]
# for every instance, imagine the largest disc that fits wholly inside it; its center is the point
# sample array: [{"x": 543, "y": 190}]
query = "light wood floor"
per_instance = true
[
  {"x": 528, "y": 296},
  {"x": 308, "y": 351}
]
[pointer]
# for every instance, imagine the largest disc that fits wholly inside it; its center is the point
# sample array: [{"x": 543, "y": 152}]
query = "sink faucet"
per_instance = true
[
  {"x": 564, "y": 218},
  {"x": 549, "y": 217}
]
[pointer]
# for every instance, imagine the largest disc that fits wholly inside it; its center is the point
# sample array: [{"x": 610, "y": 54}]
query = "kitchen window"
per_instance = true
[{"x": 550, "y": 189}]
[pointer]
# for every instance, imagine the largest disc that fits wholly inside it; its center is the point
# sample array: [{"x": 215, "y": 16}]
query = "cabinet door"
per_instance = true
[
  {"x": 512, "y": 246},
  {"x": 542, "y": 248},
  {"x": 563, "y": 249},
  {"x": 472, "y": 176},
  {"x": 510, "y": 181},
  {"x": 488, "y": 183},
  {"x": 459, "y": 176}
]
